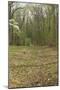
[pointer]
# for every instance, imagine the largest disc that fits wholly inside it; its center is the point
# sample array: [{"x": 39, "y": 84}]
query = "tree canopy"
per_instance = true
[{"x": 33, "y": 24}]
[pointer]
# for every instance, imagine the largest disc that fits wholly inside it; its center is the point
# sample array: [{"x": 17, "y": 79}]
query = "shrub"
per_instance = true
[{"x": 27, "y": 41}]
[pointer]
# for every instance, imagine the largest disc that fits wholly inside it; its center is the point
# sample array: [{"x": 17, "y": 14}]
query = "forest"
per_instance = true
[
  {"x": 31, "y": 24},
  {"x": 33, "y": 44}
]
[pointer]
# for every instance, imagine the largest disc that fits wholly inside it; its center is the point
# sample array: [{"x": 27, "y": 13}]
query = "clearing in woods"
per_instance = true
[{"x": 32, "y": 66}]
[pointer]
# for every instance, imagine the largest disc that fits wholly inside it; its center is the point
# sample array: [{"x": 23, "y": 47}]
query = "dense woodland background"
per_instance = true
[{"x": 33, "y": 24}]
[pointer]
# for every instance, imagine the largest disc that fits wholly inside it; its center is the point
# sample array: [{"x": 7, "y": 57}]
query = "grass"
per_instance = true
[{"x": 32, "y": 66}]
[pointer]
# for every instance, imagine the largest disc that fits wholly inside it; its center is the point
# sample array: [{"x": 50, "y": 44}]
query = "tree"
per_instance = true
[{"x": 35, "y": 24}]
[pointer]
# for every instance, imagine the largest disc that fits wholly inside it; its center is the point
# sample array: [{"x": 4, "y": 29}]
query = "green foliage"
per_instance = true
[
  {"x": 34, "y": 24},
  {"x": 27, "y": 41},
  {"x": 22, "y": 38}
]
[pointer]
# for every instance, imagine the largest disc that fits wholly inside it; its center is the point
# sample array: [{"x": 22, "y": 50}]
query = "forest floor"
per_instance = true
[{"x": 32, "y": 66}]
